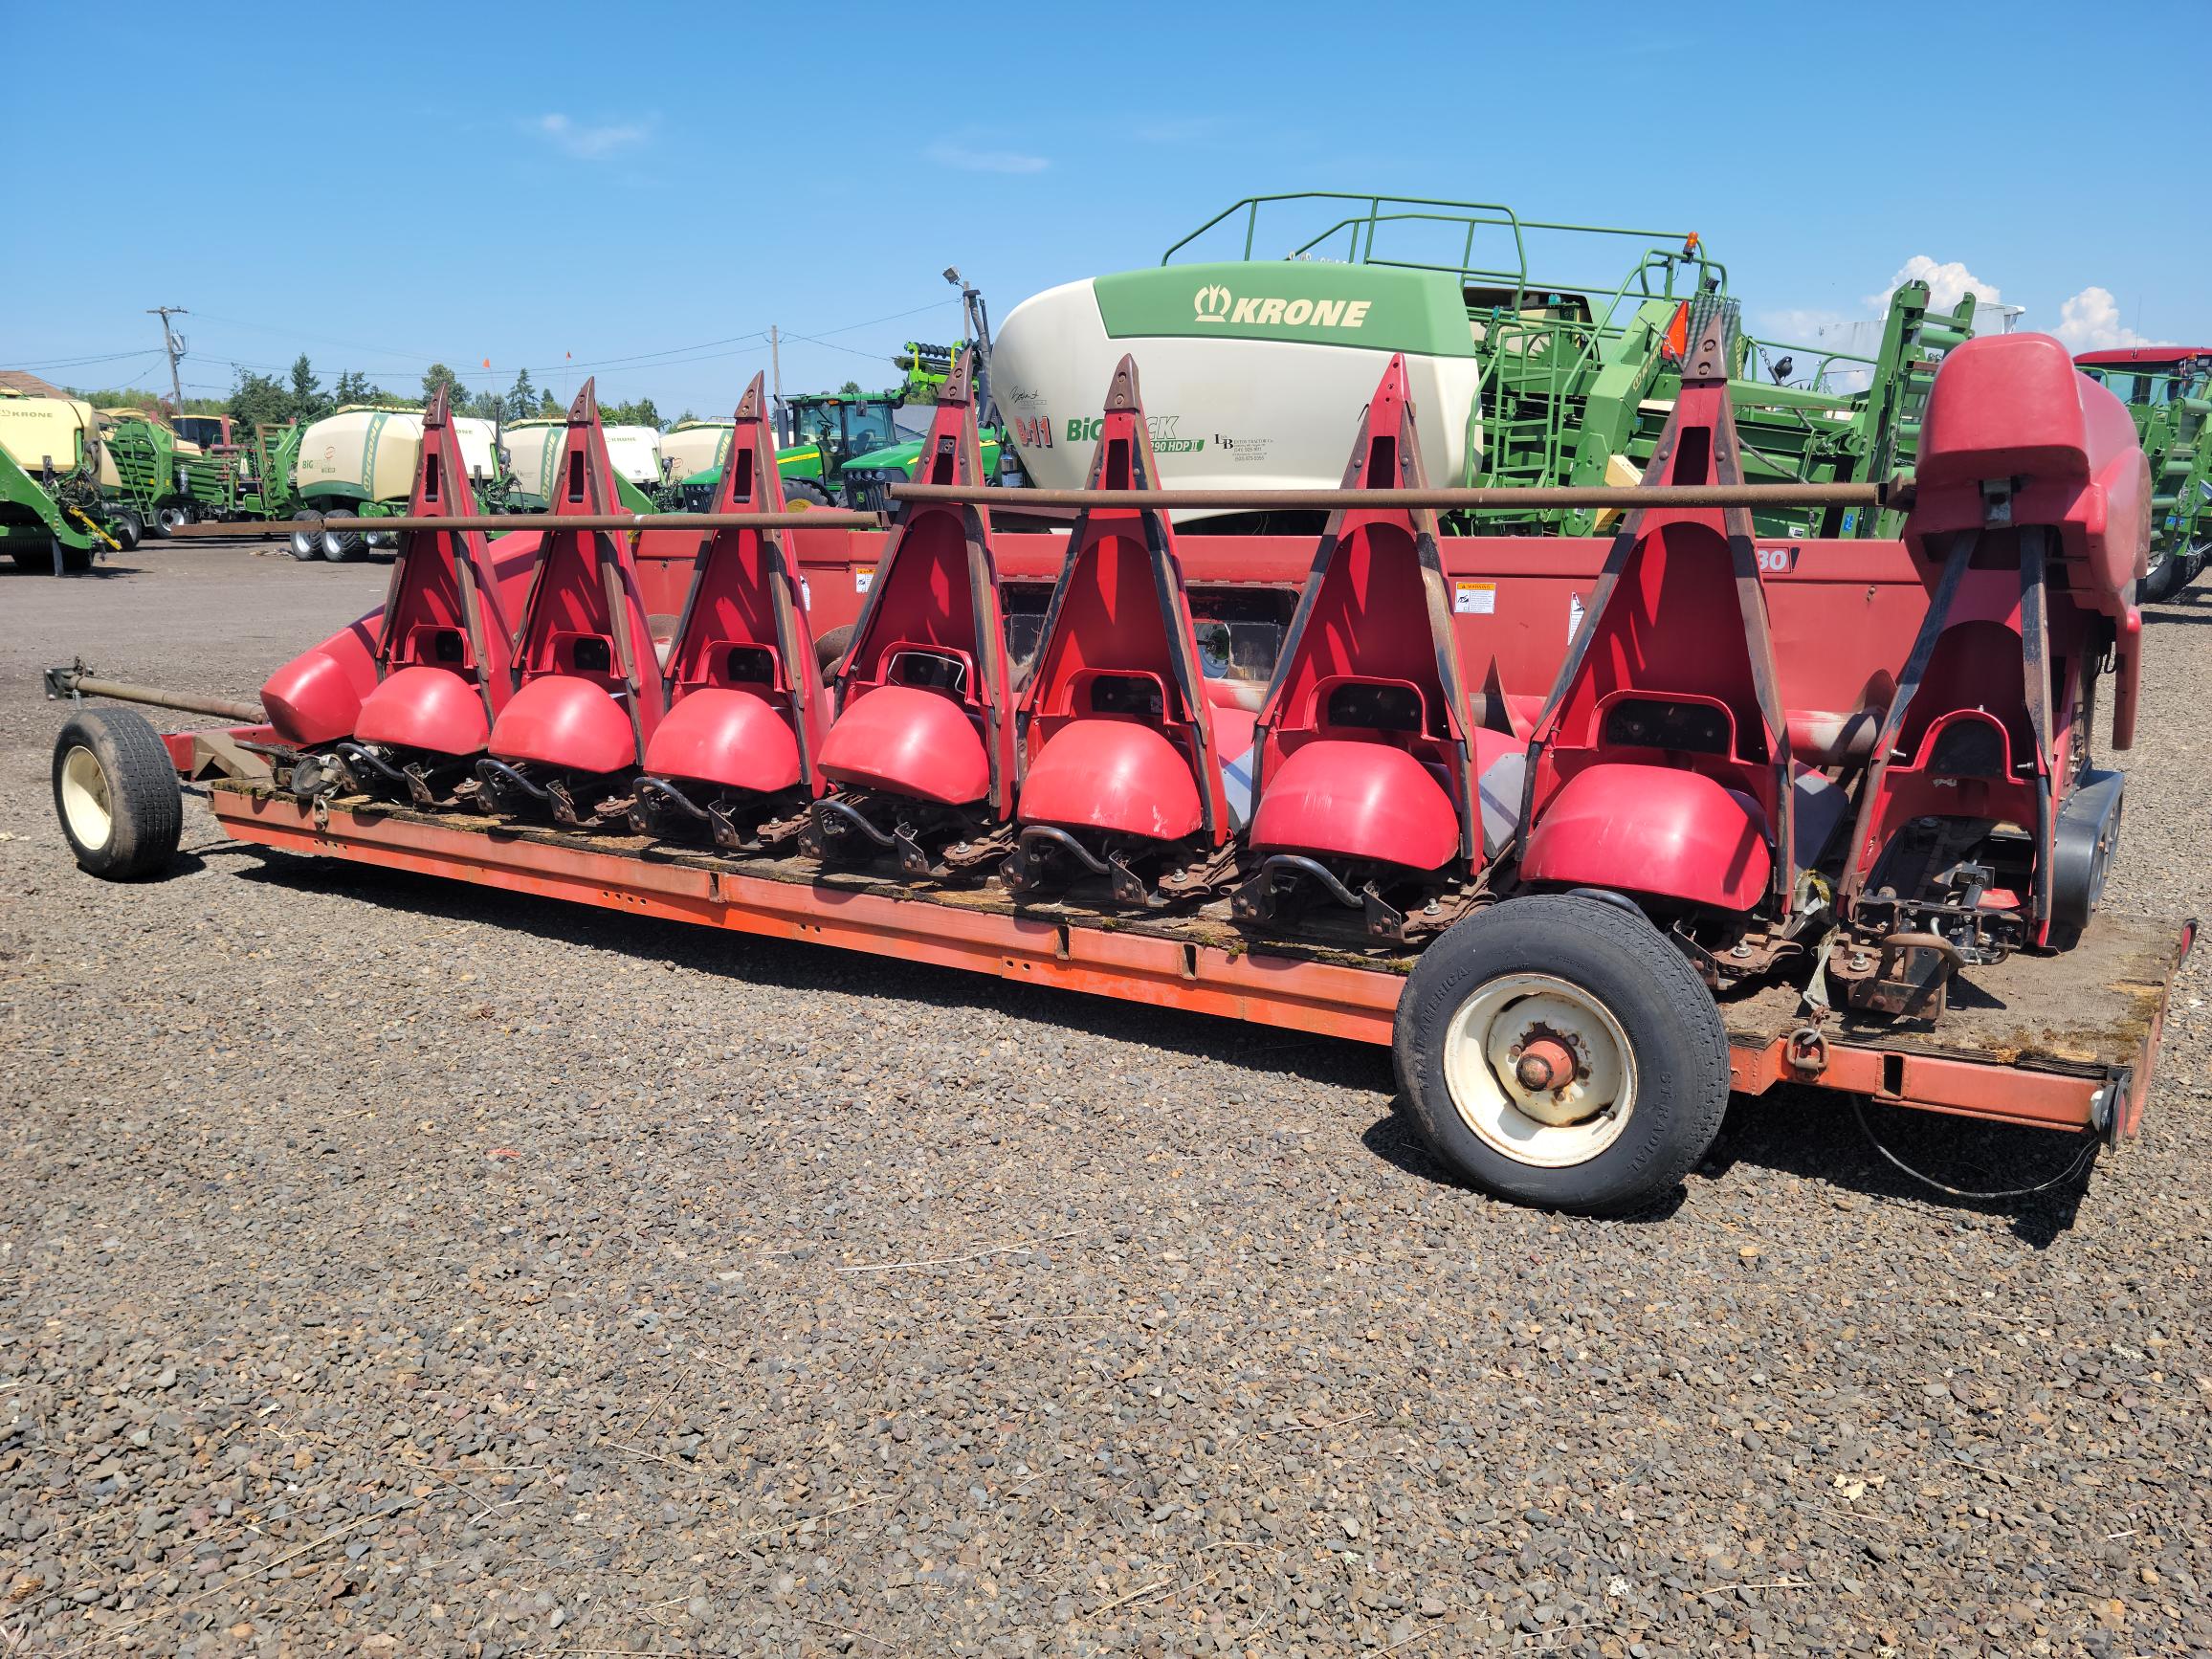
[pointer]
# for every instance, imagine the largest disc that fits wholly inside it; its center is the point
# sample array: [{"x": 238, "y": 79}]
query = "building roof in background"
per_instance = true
[{"x": 23, "y": 381}]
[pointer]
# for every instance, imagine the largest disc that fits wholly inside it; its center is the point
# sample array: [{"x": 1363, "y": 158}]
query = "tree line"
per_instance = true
[{"x": 258, "y": 398}]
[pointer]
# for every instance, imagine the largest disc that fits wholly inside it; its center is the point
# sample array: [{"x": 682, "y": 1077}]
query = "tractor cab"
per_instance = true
[
  {"x": 818, "y": 434},
  {"x": 208, "y": 431}
]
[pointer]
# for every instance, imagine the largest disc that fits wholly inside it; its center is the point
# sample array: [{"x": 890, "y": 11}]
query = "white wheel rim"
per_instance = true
[
  {"x": 1545, "y": 1127},
  {"x": 85, "y": 798},
  {"x": 331, "y": 545}
]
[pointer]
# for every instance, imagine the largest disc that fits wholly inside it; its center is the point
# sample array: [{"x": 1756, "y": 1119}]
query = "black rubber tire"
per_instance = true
[
  {"x": 1672, "y": 1025},
  {"x": 2162, "y": 581},
  {"x": 830, "y": 650},
  {"x": 169, "y": 518},
  {"x": 344, "y": 547},
  {"x": 74, "y": 561},
  {"x": 801, "y": 495},
  {"x": 144, "y": 809},
  {"x": 128, "y": 530},
  {"x": 306, "y": 546},
  {"x": 155, "y": 527}
]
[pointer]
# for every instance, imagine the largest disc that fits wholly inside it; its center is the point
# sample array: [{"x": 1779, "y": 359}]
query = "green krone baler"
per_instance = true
[
  {"x": 52, "y": 517},
  {"x": 2168, "y": 388},
  {"x": 159, "y": 475},
  {"x": 359, "y": 462},
  {"x": 1528, "y": 368}
]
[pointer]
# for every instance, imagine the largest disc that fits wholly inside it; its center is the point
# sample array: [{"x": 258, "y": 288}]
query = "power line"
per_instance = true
[{"x": 83, "y": 362}]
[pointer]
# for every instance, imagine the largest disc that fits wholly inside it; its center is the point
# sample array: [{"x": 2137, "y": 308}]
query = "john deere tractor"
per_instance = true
[{"x": 846, "y": 449}]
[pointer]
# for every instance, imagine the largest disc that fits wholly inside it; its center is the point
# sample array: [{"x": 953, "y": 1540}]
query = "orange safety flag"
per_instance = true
[{"x": 1678, "y": 332}]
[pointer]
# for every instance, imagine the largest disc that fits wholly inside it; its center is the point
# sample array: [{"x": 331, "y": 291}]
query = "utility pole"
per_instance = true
[
  {"x": 174, "y": 346},
  {"x": 775, "y": 363}
]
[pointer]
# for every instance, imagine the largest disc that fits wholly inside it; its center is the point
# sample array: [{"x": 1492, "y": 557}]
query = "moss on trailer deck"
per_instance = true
[{"x": 2078, "y": 1014}]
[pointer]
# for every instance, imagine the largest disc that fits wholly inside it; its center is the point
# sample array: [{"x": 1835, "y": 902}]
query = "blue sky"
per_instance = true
[{"x": 644, "y": 188}]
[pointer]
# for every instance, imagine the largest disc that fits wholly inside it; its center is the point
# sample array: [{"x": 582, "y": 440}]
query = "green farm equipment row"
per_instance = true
[{"x": 2168, "y": 391}]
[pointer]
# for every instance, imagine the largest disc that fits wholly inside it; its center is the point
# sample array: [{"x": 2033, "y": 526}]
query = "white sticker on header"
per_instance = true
[
  {"x": 1474, "y": 598},
  {"x": 806, "y": 595},
  {"x": 1573, "y": 616},
  {"x": 863, "y": 578}
]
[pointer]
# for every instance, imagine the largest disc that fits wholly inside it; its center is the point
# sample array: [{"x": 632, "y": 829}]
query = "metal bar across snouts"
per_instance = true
[
  {"x": 812, "y": 518},
  {"x": 1530, "y": 495},
  {"x": 1015, "y": 499}
]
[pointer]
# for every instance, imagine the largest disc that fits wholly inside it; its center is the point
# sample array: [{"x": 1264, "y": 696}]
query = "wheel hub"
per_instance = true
[{"x": 1540, "y": 1069}]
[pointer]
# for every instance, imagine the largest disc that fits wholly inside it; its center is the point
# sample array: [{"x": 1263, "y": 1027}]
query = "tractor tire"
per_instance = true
[
  {"x": 307, "y": 543},
  {"x": 74, "y": 561},
  {"x": 116, "y": 794},
  {"x": 168, "y": 518},
  {"x": 129, "y": 530},
  {"x": 803, "y": 493},
  {"x": 1635, "y": 1032},
  {"x": 342, "y": 547},
  {"x": 830, "y": 650}
]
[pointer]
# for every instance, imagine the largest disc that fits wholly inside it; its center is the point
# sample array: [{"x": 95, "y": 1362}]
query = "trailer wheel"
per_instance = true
[
  {"x": 307, "y": 543},
  {"x": 129, "y": 530},
  {"x": 342, "y": 547},
  {"x": 116, "y": 794},
  {"x": 1559, "y": 1052},
  {"x": 170, "y": 517}
]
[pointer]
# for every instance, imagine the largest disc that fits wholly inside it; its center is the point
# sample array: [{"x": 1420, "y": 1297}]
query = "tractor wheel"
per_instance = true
[
  {"x": 830, "y": 650},
  {"x": 307, "y": 543},
  {"x": 116, "y": 794},
  {"x": 2160, "y": 582},
  {"x": 342, "y": 547},
  {"x": 129, "y": 530},
  {"x": 1559, "y": 1052},
  {"x": 169, "y": 518},
  {"x": 800, "y": 494},
  {"x": 74, "y": 561}
]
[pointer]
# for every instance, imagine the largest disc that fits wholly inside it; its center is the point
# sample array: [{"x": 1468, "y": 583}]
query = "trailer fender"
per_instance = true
[
  {"x": 1656, "y": 829},
  {"x": 1117, "y": 775},
  {"x": 560, "y": 720},
  {"x": 1352, "y": 798},
  {"x": 425, "y": 708},
  {"x": 910, "y": 741},
  {"x": 725, "y": 735}
]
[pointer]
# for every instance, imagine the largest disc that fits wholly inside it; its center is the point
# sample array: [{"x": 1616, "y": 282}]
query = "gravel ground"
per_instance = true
[{"x": 391, "y": 1268}]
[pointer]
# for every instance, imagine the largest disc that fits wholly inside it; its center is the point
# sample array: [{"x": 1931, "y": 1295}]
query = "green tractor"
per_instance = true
[
  {"x": 2168, "y": 388},
  {"x": 846, "y": 449},
  {"x": 52, "y": 515}
]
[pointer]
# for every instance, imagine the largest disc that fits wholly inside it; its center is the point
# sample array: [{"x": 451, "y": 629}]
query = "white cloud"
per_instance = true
[
  {"x": 1947, "y": 284},
  {"x": 588, "y": 143},
  {"x": 1798, "y": 323},
  {"x": 968, "y": 160},
  {"x": 2090, "y": 321}
]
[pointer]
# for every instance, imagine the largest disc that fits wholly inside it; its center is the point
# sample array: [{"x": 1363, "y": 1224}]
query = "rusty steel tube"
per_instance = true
[
  {"x": 819, "y": 517},
  {"x": 1530, "y": 495},
  {"x": 190, "y": 702}
]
